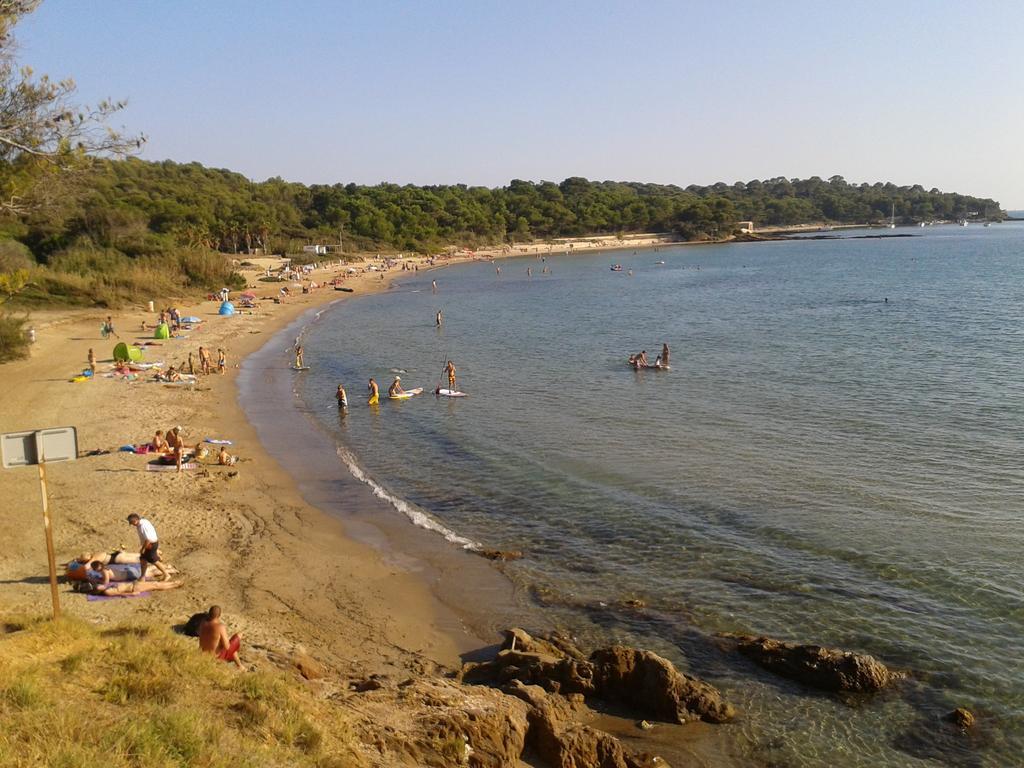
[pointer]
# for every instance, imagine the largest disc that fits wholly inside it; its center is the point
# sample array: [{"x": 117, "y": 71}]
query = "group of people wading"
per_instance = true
[
  {"x": 640, "y": 361},
  {"x": 395, "y": 390}
]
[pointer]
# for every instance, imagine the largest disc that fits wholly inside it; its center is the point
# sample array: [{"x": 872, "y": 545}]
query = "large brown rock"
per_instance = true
[
  {"x": 655, "y": 687},
  {"x": 557, "y": 674},
  {"x": 437, "y": 723},
  {"x": 829, "y": 669},
  {"x": 561, "y": 742}
]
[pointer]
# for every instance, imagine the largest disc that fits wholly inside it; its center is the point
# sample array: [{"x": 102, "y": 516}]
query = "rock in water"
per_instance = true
[
  {"x": 654, "y": 686},
  {"x": 961, "y": 718},
  {"x": 829, "y": 669}
]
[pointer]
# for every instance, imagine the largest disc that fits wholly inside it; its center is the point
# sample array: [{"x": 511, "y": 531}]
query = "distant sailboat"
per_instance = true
[{"x": 892, "y": 217}]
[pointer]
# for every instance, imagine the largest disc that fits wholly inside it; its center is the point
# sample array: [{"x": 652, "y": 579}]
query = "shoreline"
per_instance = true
[
  {"x": 236, "y": 533},
  {"x": 240, "y": 536}
]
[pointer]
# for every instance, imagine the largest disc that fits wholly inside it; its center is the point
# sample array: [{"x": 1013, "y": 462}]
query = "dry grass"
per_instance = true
[{"x": 134, "y": 696}]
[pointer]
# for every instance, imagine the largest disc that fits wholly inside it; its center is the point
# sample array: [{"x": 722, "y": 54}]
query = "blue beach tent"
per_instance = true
[{"x": 227, "y": 308}]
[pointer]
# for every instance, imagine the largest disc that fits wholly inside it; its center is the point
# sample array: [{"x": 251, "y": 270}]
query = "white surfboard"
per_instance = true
[
  {"x": 407, "y": 394},
  {"x": 450, "y": 393}
]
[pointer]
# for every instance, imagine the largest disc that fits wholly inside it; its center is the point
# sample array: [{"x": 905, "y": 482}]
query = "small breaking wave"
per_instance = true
[{"x": 415, "y": 515}]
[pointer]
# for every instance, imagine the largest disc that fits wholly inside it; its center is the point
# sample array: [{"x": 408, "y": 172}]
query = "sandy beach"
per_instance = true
[{"x": 285, "y": 573}]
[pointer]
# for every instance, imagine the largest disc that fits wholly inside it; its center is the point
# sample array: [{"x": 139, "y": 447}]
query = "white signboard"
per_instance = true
[{"x": 22, "y": 449}]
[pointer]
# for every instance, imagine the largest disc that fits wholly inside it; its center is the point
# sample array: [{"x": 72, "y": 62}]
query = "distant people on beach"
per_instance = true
[
  {"x": 213, "y": 638},
  {"x": 374, "y": 393},
  {"x": 222, "y": 360},
  {"x": 107, "y": 329},
  {"x": 191, "y": 364},
  {"x": 224, "y": 458},
  {"x": 204, "y": 360},
  {"x": 158, "y": 444},
  {"x": 176, "y": 445},
  {"x": 92, "y": 361}
]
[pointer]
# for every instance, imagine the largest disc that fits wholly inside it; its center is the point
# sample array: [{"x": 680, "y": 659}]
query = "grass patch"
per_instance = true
[
  {"x": 137, "y": 696},
  {"x": 13, "y": 337}
]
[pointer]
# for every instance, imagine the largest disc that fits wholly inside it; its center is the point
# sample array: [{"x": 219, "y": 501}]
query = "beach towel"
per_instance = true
[
  {"x": 96, "y": 598},
  {"x": 217, "y": 442},
  {"x": 170, "y": 467}
]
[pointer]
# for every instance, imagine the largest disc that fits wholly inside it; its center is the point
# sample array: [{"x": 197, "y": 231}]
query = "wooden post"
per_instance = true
[{"x": 49, "y": 539}]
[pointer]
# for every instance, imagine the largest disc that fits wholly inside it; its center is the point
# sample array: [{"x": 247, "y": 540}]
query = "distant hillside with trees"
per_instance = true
[{"x": 140, "y": 208}]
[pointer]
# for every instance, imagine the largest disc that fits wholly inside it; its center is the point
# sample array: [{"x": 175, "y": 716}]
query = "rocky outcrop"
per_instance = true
[
  {"x": 647, "y": 682},
  {"x": 563, "y": 743},
  {"x": 655, "y": 688},
  {"x": 439, "y": 723},
  {"x": 829, "y": 669}
]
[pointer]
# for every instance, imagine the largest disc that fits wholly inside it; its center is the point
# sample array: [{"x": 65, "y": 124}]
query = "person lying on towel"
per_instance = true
[{"x": 102, "y": 583}]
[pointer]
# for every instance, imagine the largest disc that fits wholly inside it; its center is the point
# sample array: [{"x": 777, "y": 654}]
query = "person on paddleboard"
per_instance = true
[
  {"x": 396, "y": 387},
  {"x": 642, "y": 359},
  {"x": 342, "y": 397},
  {"x": 374, "y": 393},
  {"x": 449, "y": 370}
]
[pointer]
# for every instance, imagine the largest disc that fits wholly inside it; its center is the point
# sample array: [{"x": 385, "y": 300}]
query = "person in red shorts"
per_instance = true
[{"x": 213, "y": 638}]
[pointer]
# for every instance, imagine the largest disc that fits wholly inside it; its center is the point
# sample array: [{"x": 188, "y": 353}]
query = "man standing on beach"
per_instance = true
[
  {"x": 149, "y": 545},
  {"x": 92, "y": 361},
  {"x": 176, "y": 444},
  {"x": 204, "y": 360}
]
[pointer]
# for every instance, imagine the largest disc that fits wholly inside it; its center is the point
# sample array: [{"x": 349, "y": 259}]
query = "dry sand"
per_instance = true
[{"x": 284, "y": 573}]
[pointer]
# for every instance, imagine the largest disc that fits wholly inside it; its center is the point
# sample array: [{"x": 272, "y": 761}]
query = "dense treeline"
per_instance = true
[{"x": 141, "y": 208}]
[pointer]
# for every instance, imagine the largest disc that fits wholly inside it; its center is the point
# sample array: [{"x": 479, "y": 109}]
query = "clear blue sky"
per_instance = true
[{"x": 483, "y": 92}]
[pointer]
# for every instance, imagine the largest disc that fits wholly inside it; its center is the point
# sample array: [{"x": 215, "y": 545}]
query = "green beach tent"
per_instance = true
[
  {"x": 162, "y": 332},
  {"x": 122, "y": 352}
]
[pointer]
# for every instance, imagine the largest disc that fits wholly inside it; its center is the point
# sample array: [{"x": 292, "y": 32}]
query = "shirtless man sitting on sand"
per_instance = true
[{"x": 213, "y": 638}]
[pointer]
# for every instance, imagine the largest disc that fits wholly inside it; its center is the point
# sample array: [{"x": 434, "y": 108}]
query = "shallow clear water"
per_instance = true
[{"x": 819, "y": 465}]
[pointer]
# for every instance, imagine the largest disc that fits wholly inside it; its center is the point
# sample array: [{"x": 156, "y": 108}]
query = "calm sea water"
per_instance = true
[{"x": 820, "y": 465}]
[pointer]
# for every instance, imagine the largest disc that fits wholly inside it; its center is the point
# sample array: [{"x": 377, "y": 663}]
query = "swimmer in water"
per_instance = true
[
  {"x": 298, "y": 356},
  {"x": 342, "y": 397},
  {"x": 374, "y": 393},
  {"x": 396, "y": 387},
  {"x": 437, "y": 319}
]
